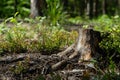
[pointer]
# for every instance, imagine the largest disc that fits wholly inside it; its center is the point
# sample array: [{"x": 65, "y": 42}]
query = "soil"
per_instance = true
[{"x": 34, "y": 66}]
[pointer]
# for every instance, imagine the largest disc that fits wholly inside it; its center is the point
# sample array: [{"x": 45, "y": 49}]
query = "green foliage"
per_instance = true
[
  {"x": 55, "y": 12},
  {"x": 104, "y": 23},
  {"x": 55, "y": 8},
  {"x": 14, "y": 41},
  {"x": 7, "y": 8},
  {"x": 51, "y": 39},
  {"x": 76, "y": 20},
  {"x": 39, "y": 37},
  {"x": 111, "y": 30},
  {"x": 23, "y": 8}
]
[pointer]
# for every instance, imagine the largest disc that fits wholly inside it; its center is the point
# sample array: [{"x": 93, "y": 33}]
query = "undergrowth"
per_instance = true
[
  {"x": 110, "y": 44},
  {"x": 43, "y": 38},
  {"x": 38, "y": 37}
]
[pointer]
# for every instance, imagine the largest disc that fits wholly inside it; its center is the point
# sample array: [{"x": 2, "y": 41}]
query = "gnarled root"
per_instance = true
[{"x": 85, "y": 47}]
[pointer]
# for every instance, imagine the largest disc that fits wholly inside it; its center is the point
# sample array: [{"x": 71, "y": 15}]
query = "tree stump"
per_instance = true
[
  {"x": 72, "y": 61},
  {"x": 85, "y": 48}
]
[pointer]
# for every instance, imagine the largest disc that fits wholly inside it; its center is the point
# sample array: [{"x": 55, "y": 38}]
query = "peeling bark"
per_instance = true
[{"x": 86, "y": 47}]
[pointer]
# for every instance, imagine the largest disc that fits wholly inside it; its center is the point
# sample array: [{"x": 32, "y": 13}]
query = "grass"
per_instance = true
[{"x": 39, "y": 37}]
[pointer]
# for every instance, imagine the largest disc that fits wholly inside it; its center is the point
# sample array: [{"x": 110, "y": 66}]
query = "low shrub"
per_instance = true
[{"x": 39, "y": 37}]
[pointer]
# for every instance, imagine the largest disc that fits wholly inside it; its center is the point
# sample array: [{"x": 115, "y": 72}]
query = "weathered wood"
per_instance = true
[
  {"x": 86, "y": 46},
  {"x": 19, "y": 57},
  {"x": 68, "y": 50}
]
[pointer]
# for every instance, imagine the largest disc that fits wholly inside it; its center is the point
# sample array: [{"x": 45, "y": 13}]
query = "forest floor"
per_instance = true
[{"x": 35, "y": 66}]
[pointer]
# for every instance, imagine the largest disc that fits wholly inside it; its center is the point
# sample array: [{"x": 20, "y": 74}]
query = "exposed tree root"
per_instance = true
[{"x": 86, "y": 47}]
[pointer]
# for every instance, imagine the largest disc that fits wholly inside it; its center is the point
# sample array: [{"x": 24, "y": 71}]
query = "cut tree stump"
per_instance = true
[
  {"x": 75, "y": 59},
  {"x": 85, "y": 48}
]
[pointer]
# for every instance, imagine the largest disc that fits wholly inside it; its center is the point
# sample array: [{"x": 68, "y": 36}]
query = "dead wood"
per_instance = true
[
  {"x": 18, "y": 57},
  {"x": 25, "y": 64},
  {"x": 86, "y": 47}
]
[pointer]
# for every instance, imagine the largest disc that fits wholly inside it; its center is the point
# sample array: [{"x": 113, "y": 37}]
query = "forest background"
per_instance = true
[{"x": 41, "y": 31}]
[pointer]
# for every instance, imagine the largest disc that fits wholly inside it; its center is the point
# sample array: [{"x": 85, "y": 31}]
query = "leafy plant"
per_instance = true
[
  {"x": 51, "y": 39},
  {"x": 7, "y": 8},
  {"x": 55, "y": 12},
  {"x": 23, "y": 8},
  {"x": 111, "y": 37},
  {"x": 14, "y": 38},
  {"x": 39, "y": 37}
]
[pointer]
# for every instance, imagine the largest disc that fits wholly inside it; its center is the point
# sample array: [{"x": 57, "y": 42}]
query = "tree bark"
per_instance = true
[
  {"x": 15, "y": 5},
  {"x": 82, "y": 7},
  {"x": 95, "y": 8},
  {"x": 89, "y": 8},
  {"x": 104, "y": 6},
  {"x": 37, "y": 7},
  {"x": 118, "y": 7},
  {"x": 85, "y": 48}
]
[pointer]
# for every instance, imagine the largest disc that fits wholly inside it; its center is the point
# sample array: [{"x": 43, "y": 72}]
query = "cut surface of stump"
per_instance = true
[{"x": 85, "y": 48}]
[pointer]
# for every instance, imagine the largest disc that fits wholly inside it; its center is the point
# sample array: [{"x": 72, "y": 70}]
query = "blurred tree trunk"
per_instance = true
[
  {"x": 118, "y": 7},
  {"x": 95, "y": 8},
  {"x": 82, "y": 7},
  {"x": 89, "y": 8},
  {"x": 15, "y": 5},
  {"x": 37, "y": 7},
  {"x": 65, "y": 4},
  {"x": 104, "y": 6}
]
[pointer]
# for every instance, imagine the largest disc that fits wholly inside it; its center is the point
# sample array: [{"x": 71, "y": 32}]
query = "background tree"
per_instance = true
[
  {"x": 37, "y": 7},
  {"x": 15, "y": 5},
  {"x": 82, "y": 8},
  {"x": 118, "y": 7}
]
